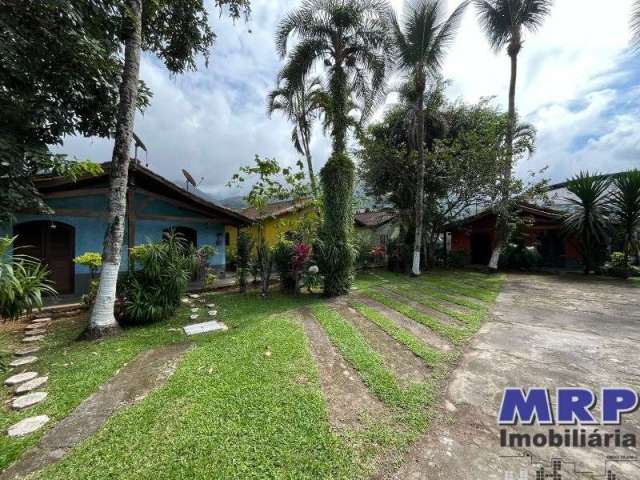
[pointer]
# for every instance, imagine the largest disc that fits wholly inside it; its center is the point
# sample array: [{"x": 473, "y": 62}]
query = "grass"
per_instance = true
[
  {"x": 246, "y": 403},
  {"x": 432, "y": 357}
]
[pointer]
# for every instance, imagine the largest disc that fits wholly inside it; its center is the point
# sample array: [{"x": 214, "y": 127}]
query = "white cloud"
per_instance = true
[{"x": 571, "y": 86}]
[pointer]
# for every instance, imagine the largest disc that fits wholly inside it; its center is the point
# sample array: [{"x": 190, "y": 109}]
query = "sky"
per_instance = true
[{"x": 578, "y": 84}]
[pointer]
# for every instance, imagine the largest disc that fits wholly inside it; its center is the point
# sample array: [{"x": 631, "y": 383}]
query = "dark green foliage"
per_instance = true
[
  {"x": 335, "y": 248},
  {"x": 23, "y": 280},
  {"x": 243, "y": 255},
  {"x": 282, "y": 257},
  {"x": 618, "y": 266},
  {"x": 588, "y": 219},
  {"x": 625, "y": 209},
  {"x": 153, "y": 291},
  {"x": 520, "y": 257}
]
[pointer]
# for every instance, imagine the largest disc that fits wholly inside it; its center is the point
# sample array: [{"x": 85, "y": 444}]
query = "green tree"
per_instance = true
[
  {"x": 588, "y": 218},
  {"x": 350, "y": 40},
  {"x": 297, "y": 104},
  {"x": 175, "y": 31},
  {"x": 421, "y": 43},
  {"x": 625, "y": 206},
  {"x": 57, "y": 78},
  {"x": 504, "y": 22}
]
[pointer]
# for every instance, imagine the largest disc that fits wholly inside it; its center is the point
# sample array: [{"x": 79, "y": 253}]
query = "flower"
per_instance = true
[{"x": 313, "y": 269}]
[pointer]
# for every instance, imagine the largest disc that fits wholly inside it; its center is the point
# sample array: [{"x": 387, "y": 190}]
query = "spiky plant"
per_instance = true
[
  {"x": 504, "y": 23},
  {"x": 349, "y": 40},
  {"x": 421, "y": 42},
  {"x": 298, "y": 105},
  {"x": 625, "y": 206},
  {"x": 588, "y": 218}
]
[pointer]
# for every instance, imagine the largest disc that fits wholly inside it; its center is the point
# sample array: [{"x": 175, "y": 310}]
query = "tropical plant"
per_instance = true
[
  {"x": 349, "y": 39},
  {"x": 504, "y": 23},
  {"x": 160, "y": 278},
  {"x": 176, "y": 32},
  {"x": 297, "y": 104},
  {"x": 588, "y": 218},
  {"x": 625, "y": 209},
  {"x": 91, "y": 260},
  {"x": 23, "y": 281},
  {"x": 421, "y": 43},
  {"x": 618, "y": 265}
]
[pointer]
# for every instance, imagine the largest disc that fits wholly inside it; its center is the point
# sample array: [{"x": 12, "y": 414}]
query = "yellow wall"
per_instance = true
[{"x": 274, "y": 229}]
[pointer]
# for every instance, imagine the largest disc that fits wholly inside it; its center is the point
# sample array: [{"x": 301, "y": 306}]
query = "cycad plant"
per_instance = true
[
  {"x": 504, "y": 23},
  {"x": 349, "y": 40},
  {"x": 588, "y": 218},
  {"x": 421, "y": 41},
  {"x": 625, "y": 208},
  {"x": 297, "y": 104}
]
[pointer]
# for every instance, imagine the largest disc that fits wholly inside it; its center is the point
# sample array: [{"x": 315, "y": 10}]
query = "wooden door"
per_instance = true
[{"x": 52, "y": 243}]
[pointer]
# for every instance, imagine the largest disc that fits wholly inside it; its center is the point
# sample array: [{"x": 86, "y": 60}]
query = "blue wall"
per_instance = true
[{"x": 89, "y": 230}]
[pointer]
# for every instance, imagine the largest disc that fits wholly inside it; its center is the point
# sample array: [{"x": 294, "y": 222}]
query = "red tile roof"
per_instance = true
[
  {"x": 374, "y": 219},
  {"x": 276, "y": 209}
]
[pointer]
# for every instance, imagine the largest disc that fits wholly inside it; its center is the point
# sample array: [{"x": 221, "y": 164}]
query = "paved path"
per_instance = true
[{"x": 546, "y": 331}]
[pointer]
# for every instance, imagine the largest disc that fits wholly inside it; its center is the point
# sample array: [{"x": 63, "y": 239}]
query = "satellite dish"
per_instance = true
[{"x": 190, "y": 179}]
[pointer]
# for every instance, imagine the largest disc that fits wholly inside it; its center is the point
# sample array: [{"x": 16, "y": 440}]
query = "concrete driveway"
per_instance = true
[{"x": 546, "y": 331}]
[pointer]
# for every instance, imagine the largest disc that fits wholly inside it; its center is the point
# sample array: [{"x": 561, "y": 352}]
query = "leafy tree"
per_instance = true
[
  {"x": 504, "y": 22},
  {"x": 58, "y": 78},
  {"x": 589, "y": 219},
  {"x": 625, "y": 206},
  {"x": 350, "y": 40},
  {"x": 421, "y": 43},
  {"x": 298, "y": 106},
  {"x": 175, "y": 31}
]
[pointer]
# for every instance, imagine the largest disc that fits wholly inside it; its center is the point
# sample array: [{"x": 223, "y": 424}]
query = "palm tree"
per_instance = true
[
  {"x": 588, "y": 217},
  {"x": 504, "y": 22},
  {"x": 635, "y": 23},
  {"x": 349, "y": 40},
  {"x": 625, "y": 205},
  {"x": 421, "y": 43},
  {"x": 299, "y": 107}
]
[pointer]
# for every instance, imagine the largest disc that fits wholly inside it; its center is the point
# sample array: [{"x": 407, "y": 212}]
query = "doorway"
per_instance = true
[{"x": 480, "y": 248}]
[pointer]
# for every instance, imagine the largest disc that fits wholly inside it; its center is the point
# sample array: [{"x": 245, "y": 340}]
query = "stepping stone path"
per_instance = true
[
  {"x": 37, "y": 331},
  {"x": 26, "y": 351},
  {"x": 23, "y": 361},
  {"x": 27, "y": 426},
  {"x": 36, "y": 326},
  {"x": 37, "y": 338},
  {"x": 205, "y": 327},
  {"x": 41, "y": 320},
  {"x": 19, "y": 378},
  {"x": 31, "y": 385},
  {"x": 26, "y": 401}
]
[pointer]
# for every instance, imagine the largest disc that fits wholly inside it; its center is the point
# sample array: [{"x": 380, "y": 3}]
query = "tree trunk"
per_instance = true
[
  {"x": 307, "y": 154},
  {"x": 502, "y": 230},
  {"x": 417, "y": 245},
  {"x": 102, "y": 320}
]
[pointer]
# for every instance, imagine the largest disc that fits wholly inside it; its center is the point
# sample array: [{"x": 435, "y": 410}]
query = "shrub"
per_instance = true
[
  {"x": 282, "y": 257},
  {"x": 23, "y": 281},
  {"x": 520, "y": 257},
  {"x": 243, "y": 259},
  {"x": 160, "y": 277},
  {"x": 91, "y": 260},
  {"x": 456, "y": 259},
  {"x": 618, "y": 265}
]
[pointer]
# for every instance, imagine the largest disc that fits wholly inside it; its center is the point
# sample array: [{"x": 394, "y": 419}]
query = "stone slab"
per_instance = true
[
  {"x": 36, "y": 326},
  {"x": 37, "y": 338},
  {"x": 19, "y": 378},
  {"x": 27, "y": 426},
  {"x": 23, "y": 361},
  {"x": 26, "y": 351},
  {"x": 26, "y": 401},
  {"x": 41, "y": 320},
  {"x": 31, "y": 385},
  {"x": 33, "y": 333},
  {"x": 205, "y": 327}
]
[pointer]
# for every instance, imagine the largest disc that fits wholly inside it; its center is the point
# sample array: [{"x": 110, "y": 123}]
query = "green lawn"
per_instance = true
[{"x": 246, "y": 403}]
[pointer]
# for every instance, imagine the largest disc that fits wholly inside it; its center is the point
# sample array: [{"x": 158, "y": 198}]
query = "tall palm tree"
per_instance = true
[
  {"x": 299, "y": 107},
  {"x": 421, "y": 43},
  {"x": 625, "y": 205},
  {"x": 349, "y": 40},
  {"x": 504, "y": 22},
  {"x": 588, "y": 217},
  {"x": 635, "y": 23}
]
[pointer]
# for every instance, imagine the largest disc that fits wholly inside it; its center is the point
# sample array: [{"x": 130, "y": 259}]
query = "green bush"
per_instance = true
[
  {"x": 282, "y": 257},
  {"x": 618, "y": 266},
  {"x": 91, "y": 260},
  {"x": 520, "y": 257},
  {"x": 243, "y": 259},
  {"x": 456, "y": 259},
  {"x": 23, "y": 281},
  {"x": 160, "y": 277}
]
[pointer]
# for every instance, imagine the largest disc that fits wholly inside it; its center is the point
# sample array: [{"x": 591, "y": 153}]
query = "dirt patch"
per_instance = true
[
  {"x": 148, "y": 371},
  {"x": 423, "y": 333},
  {"x": 349, "y": 402},
  {"x": 422, "y": 308},
  {"x": 405, "y": 365}
]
